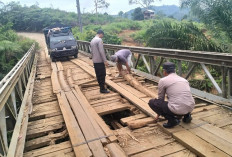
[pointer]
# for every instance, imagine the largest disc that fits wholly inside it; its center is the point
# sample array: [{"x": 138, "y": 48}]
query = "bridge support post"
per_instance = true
[
  {"x": 19, "y": 88},
  {"x": 230, "y": 83},
  {"x": 12, "y": 104},
  {"x": 211, "y": 78},
  {"x": 152, "y": 64},
  {"x": 190, "y": 71},
  {"x": 3, "y": 132},
  {"x": 158, "y": 67},
  {"x": 132, "y": 60},
  {"x": 179, "y": 68},
  {"x": 145, "y": 61},
  {"x": 137, "y": 61},
  {"x": 224, "y": 74}
]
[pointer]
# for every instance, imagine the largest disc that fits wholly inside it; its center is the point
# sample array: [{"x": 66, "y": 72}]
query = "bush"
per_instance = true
[{"x": 12, "y": 48}]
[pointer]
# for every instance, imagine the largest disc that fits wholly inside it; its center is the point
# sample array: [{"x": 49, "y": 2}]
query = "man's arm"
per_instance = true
[
  {"x": 161, "y": 90},
  {"x": 102, "y": 52},
  {"x": 128, "y": 67}
]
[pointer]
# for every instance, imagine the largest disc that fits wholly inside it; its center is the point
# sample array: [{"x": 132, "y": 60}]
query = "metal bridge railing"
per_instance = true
[
  {"x": 12, "y": 88},
  {"x": 201, "y": 58}
]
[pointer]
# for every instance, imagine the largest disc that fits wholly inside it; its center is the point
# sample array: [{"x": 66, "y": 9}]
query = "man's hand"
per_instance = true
[
  {"x": 106, "y": 63},
  {"x": 157, "y": 117}
]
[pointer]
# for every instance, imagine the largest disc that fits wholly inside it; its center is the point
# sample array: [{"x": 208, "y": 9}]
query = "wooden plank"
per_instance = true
[
  {"x": 111, "y": 108},
  {"x": 62, "y": 153},
  {"x": 33, "y": 133},
  {"x": 59, "y": 66},
  {"x": 97, "y": 128},
  {"x": 64, "y": 86},
  {"x": 132, "y": 90},
  {"x": 103, "y": 101},
  {"x": 139, "y": 123},
  {"x": 47, "y": 150},
  {"x": 99, "y": 120},
  {"x": 55, "y": 83},
  {"x": 168, "y": 149},
  {"x": 218, "y": 132},
  {"x": 220, "y": 143},
  {"x": 85, "y": 125},
  {"x": 135, "y": 100},
  {"x": 183, "y": 153},
  {"x": 144, "y": 146},
  {"x": 44, "y": 141},
  {"x": 124, "y": 121},
  {"x": 115, "y": 150},
  {"x": 204, "y": 109},
  {"x": 75, "y": 134},
  {"x": 102, "y": 96},
  {"x": 45, "y": 125},
  {"x": 197, "y": 145}
]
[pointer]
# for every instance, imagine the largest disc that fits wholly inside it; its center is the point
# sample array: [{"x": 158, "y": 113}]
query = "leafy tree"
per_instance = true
[
  {"x": 142, "y": 3},
  {"x": 99, "y": 4},
  {"x": 12, "y": 48},
  {"x": 217, "y": 14},
  {"x": 120, "y": 13},
  {"x": 178, "y": 35},
  {"x": 138, "y": 15}
]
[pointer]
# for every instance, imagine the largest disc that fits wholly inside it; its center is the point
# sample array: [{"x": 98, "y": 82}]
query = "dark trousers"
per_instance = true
[
  {"x": 100, "y": 71},
  {"x": 161, "y": 108}
]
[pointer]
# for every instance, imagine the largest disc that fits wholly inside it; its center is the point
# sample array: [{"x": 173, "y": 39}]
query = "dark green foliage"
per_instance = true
[
  {"x": 34, "y": 18},
  {"x": 12, "y": 48},
  {"x": 217, "y": 15},
  {"x": 178, "y": 35},
  {"x": 138, "y": 14}
]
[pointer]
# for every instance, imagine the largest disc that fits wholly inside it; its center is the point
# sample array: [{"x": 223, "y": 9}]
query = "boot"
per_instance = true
[
  {"x": 171, "y": 124},
  {"x": 103, "y": 90},
  {"x": 187, "y": 118}
]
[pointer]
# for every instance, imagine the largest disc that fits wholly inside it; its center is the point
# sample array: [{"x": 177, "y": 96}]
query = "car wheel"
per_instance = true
[{"x": 75, "y": 56}]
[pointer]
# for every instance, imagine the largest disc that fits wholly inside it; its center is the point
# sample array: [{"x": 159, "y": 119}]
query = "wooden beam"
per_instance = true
[
  {"x": 99, "y": 120},
  {"x": 75, "y": 133}
]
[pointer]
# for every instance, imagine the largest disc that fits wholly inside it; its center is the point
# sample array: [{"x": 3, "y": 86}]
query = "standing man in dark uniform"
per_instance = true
[{"x": 99, "y": 60}]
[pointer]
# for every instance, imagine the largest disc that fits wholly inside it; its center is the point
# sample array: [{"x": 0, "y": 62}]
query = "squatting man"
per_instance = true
[{"x": 180, "y": 101}]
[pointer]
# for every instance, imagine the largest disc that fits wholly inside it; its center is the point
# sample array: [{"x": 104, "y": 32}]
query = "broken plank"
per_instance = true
[
  {"x": 124, "y": 121},
  {"x": 115, "y": 150},
  {"x": 111, "y": 108},
  {"x": 44, "y": 141},
  {"x": 138, "y": 123},
  {"x": 135, "y": 100}
]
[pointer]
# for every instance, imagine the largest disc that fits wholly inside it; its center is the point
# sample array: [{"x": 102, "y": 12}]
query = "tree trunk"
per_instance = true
[{"x": 79, "y": 15}]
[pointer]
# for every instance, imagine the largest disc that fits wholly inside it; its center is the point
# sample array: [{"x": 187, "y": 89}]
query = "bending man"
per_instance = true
[
  {"x": 122, "y": 57},
  {"x": 180, "y": 101},
  {"x": 99, "y": 60}
]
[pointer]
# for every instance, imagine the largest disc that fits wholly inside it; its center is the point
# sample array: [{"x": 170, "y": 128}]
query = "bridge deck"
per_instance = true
[{"x": 71, "y": 118}]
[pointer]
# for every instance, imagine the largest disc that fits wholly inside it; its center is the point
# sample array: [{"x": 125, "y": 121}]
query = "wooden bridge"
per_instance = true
[{"x": 55, "y": 109}]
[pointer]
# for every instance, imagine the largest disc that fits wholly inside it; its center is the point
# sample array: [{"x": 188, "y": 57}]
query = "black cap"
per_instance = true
[
  {"x": 169, "y": 66},
  {"x": 100, "y": 32}
]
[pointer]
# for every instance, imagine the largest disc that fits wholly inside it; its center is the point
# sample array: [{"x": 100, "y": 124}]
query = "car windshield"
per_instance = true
[{"x": 61, "y": 38}]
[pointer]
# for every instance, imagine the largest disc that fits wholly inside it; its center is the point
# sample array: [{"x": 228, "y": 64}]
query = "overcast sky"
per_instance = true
[{"x": 87, "y": 5}]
